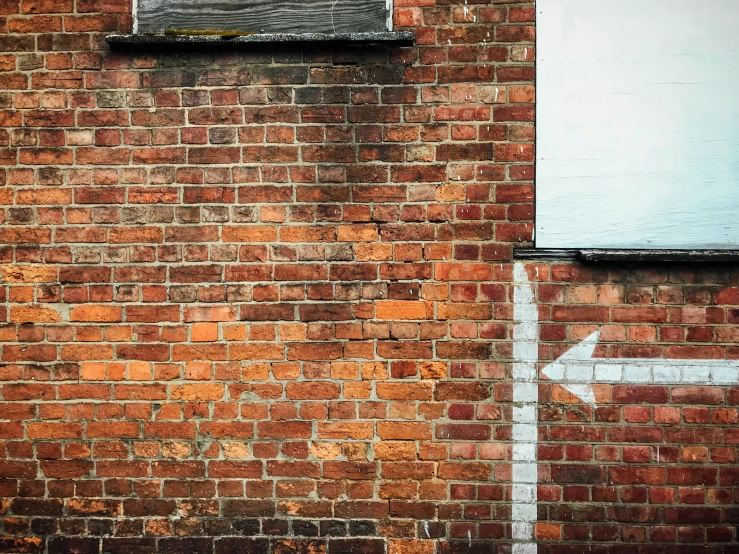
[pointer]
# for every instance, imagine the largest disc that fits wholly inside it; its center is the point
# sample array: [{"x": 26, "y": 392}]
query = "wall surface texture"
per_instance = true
[{"x": 262, "y": 300}]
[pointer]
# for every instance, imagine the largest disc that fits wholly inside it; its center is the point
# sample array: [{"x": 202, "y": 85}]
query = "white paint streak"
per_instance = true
[
  {"x": 576, "y": 370},
  {"x": 333, "y": 5},
  {"x": 525, "y": 399},
  {"x": 134, "y": 14}
]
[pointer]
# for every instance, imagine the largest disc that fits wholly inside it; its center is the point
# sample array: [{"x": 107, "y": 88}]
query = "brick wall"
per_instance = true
[{"x": 262, "y": 299}]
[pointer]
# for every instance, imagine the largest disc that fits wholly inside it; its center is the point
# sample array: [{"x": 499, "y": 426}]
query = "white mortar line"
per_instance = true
[{"x": 525, "y": 399}]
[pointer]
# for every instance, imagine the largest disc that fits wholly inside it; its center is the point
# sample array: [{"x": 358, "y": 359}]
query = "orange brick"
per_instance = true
[
  {"x": 357, "y": 390},
  {"x": 374, "y": 370},
  {"x": 396, "y": 430},
  {"x": 48, "y": 430},
  {"x": 394, "y": 450},
  {"x": 234, "y": 332},
  {"x": 433, "y": 370},
  {"x": 548, "y": 531},
  {"x": 312, "y": 391},
  {"x": 255, "y": 372},
  {"x": 373, "y": 252},
  {"x": 29, "y": 273},
  {"x": 96, "y": 313},
  {"x": 210, "y": 391},
  {"x": 204, "y": 332},
  {"x": 118, "y": 333},
  {"x": 20, "y": 294},
  {"x": 116, "y": 371},
  {"x": 207, "y": 313},
  {"x": 287, "y": 370},
  {"x": 463, "y": 272},
  {"x": 411, "y": 546},
  {"x": 34, "y": 314},
  {"x": 389, "y": 309},
  {"x": 293, "y": 331},
  {"x": 345, "y": 430},
  {"x": 93, "y": 371},
  {"x": 133, "y": 235},
  {"x": 249, "y": 233},
  {"x": 344, "y": 370},
  {"x": 356, "y": 233},
  {"x": 694, "y": 454},
  {"x": 198, "y": 371},
  {"x": 404, "y": 391},
  {"x": 139, "y": 371}
]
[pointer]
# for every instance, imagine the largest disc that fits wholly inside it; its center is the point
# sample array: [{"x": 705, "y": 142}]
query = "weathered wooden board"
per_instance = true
[
  {"x": 263, "y": 16},
  {"x": 637, "y": 124}
]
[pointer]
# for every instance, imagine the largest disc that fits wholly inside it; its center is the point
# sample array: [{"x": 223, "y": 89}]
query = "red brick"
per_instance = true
[
  {"x": 284, "y": 430},
  {"x": 271, "y": 292}
]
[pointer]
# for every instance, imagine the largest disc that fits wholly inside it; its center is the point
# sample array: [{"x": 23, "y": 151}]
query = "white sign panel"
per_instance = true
[{"x": 637, "y": 124}]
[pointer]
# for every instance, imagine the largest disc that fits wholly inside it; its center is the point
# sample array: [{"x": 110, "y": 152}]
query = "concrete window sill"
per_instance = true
[{"x": 402, "y": 38}]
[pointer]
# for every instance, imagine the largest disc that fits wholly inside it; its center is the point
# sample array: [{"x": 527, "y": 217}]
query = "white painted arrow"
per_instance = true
[{"x": 577, "y": 370}]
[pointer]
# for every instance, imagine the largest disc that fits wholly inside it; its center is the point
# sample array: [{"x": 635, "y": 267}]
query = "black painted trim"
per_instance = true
[
  {"x": 598, "y": 255},
  {"x": 636, "y": 256},
  {"x": 544, "y": 254}
]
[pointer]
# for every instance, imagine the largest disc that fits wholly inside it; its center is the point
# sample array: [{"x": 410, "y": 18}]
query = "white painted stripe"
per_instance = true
[
  {"x": 525, "y": 399},
  {"x": 645, "y": 371},
  {"x": 577, "y": 371},
  {"x": 523, "y": 548},
  {"x": 134, "y": 14}
]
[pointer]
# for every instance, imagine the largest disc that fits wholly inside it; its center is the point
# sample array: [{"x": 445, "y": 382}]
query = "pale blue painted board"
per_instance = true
[{"x": 637, "y": 124}]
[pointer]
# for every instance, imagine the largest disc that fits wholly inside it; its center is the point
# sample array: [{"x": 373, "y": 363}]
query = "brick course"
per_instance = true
[{"x": 261, "y": 299}]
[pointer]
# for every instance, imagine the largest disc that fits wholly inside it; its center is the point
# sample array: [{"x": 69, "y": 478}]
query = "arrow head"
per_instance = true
[{"x": 557, "y": 371}]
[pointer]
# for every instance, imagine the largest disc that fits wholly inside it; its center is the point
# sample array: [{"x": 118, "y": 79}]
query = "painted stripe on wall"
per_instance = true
[{"x": 525, "y": 399}]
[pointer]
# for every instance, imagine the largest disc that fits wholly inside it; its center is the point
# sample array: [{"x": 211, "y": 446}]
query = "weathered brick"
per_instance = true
[{"x": 264, "y": 301}]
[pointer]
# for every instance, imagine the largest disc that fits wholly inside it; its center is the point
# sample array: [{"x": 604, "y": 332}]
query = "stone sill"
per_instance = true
[
  {"x": 402, "y": 38},
  {"x": 632, "y": 256}
]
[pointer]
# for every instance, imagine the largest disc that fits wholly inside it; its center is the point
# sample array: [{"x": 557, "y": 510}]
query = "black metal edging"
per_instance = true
[
  {"x": 401, "y": 38},
  {"x": 632, "y": 256},
  {"x": 544, "y": 254},
  {"x": 603, "y": 255}
]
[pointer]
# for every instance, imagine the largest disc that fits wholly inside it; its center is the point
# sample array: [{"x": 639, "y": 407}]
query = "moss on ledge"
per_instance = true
[{"x": 205, "y": 32}]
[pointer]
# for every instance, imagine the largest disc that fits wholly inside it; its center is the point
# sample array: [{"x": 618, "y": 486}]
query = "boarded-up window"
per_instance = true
[
  {"x": 637, "y": 124},
  {"x": 264, "y": 16}
]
